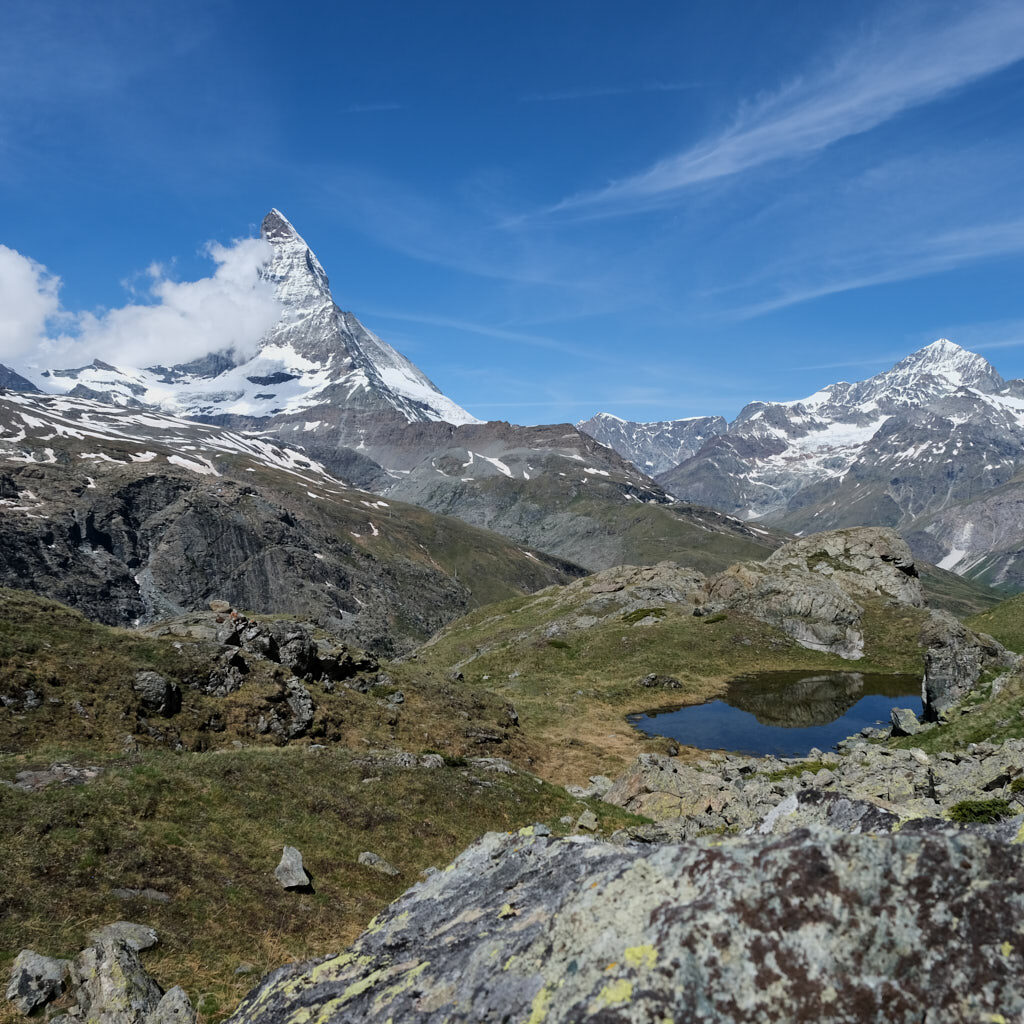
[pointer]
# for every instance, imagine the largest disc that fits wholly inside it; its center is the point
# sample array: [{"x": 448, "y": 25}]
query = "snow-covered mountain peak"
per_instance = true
[
  {"x": 300, "y": 282},
  {"x": 316, "y": 356},
  {"x": 948, "y": 362}
]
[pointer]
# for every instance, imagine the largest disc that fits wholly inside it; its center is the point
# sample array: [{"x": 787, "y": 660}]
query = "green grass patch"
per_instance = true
[
  {"x": 984, "y": 812},
  {"x": 794, "y": 771},
  {"x": 1005, "y": 622},
  {"x": 639, "y": 614}
]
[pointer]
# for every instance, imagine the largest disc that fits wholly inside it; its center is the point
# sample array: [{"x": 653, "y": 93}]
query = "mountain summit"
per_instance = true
[{"x": 317, "y": 354}]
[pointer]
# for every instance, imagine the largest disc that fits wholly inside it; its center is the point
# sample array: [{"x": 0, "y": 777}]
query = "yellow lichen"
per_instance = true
[
  {"x": 508, "y": 911},
  {"x": 390, "y": 994},
  {"x": 641, "y": 956},
  {"x": 1006, "y": 948},
  {"x": 539, "y": 1006},
  {"x": 615, "y": 993}
]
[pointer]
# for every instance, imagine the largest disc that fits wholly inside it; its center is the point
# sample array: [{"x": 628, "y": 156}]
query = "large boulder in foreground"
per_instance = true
[{"x": 812, "y": 926}]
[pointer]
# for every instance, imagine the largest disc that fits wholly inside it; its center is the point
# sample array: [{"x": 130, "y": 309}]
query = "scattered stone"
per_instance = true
[
  {"x": 136, "y": 936},
  {"x": 492, "y": 764},
  {"x": 175, "y": 1007},
  {"x": 220, "y": 607},
  {"x": 157, "y": 693},
  {"x": 66, "y": 774},
  {"x": 35, "y": 980},
  {"x": 290, "y": 873},
  {"x": 599, "y": 785},
  {"x": 246, "y": 968},
  {"x": 378, "y": 863},
  {"x": 904, "y": 722},
  {"x": 149, "y": 895},
  {"x": 587, "y": 821},
  {"x": 396, "y": 698},
  {"x": 661, "y": 682}
]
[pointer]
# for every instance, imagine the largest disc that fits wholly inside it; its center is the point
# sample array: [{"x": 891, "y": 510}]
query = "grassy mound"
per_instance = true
[{"x": 573, "y": 686}]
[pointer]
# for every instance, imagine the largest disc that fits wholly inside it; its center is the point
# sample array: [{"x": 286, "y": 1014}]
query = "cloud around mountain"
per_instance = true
[{"x": 183, "y": 320}]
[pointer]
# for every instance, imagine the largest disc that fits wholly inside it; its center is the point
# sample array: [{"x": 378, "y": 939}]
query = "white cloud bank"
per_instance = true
[{"x": 232, "y": 309}]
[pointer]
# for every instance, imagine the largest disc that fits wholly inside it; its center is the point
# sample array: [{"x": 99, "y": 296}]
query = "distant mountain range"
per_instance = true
[{"x": 933, "y": 447}]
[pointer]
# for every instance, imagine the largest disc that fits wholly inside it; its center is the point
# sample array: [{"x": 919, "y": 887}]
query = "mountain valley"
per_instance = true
[{"x": 298, "y": 603}]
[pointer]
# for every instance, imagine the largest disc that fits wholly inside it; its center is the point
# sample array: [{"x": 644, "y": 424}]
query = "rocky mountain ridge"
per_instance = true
[
  {"x": 323, "y": 383},
  {"x": 913, "y": 448}
]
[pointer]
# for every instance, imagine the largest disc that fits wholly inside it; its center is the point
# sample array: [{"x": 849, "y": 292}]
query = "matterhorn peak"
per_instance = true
[
  {"x": 300, "y": 282},
  {"x": 277, "y": 226}
]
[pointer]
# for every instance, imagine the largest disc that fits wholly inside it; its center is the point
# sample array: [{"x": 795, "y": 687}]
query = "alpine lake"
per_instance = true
[{"x": 785, "y": 714}]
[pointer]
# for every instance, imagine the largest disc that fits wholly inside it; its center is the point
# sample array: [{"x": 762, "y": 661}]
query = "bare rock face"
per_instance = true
[
  {"x": 954, "y": 660},
  {"x": 811, "y": 926},
  {"x": 867, "y": 560},
  {"x": 811, "y": 588}
]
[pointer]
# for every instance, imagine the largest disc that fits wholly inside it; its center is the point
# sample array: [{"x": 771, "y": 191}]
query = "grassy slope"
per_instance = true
[
  {"x": 1005, "y": 622},
  {"x": 962, "y": 597},
  {"x": 573, "y": 691},
  {"x": 208, "y": 829}
]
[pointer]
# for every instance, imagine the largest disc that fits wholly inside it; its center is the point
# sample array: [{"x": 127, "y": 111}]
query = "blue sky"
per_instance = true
[{"x": 655, "y": 209}]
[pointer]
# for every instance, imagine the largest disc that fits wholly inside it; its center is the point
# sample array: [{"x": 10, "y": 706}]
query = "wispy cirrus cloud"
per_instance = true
[
  {"x": 492, "y": 331},
  {"x": 889, "y": 70},
  {"x": 903, "y": 261}
]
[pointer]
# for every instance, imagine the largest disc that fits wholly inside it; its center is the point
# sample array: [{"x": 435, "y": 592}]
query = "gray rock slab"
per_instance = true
[
  {"x": 35, "y": 980},
  {"x": 137, "y": 936},
  {"x": 112, "y": 987},
  {"x": 174, "y": 1007},
  {"x": 815, "y": 925},
  {"x": 378, "y": 863}
]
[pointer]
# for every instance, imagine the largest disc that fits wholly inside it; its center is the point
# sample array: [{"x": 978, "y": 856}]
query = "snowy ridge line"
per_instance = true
[{"x": 41, "y": 418}]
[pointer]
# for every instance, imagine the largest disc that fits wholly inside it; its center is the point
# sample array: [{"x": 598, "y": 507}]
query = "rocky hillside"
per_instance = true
[{"x": 131, "y": 516}]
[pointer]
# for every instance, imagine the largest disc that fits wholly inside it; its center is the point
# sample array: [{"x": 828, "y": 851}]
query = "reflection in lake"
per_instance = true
[{"x": 786, "y": 713}]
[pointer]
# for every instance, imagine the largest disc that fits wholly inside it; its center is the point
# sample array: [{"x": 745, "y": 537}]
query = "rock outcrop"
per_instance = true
[
  {"x": 815, "y": 925},
  {"x": 107, "y": 981},
  {"x": 955, "y": 658},
  {"x": 35, "y": 980},
  {"x": 811, "y": 588}
]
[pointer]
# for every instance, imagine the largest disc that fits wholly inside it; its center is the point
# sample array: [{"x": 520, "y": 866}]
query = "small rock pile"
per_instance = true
[{"x": 106, "y": 980}]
